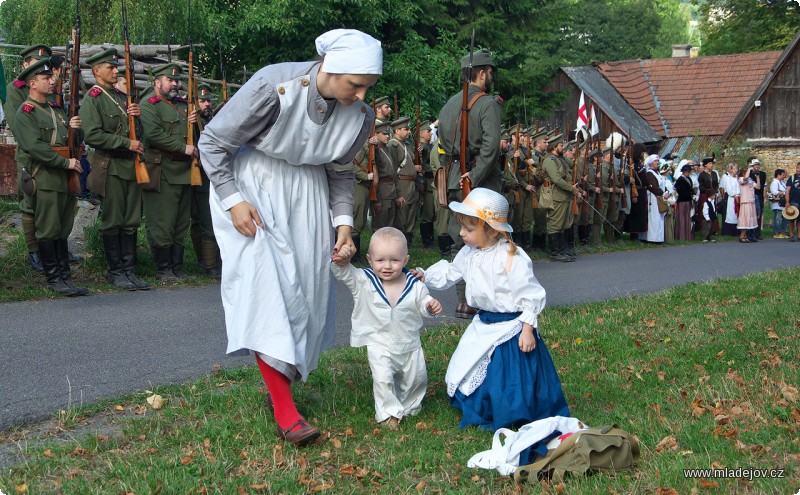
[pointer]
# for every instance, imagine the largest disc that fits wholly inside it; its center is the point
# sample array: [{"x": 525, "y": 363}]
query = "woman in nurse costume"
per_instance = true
[{"x": 278, "y": 156}]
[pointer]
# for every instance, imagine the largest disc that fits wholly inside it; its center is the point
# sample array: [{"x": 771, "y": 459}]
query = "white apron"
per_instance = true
[
  {"x": 731, "y": 186},
  {"x": 655, "y": 220},
  {"x": 276, "y": 287}
]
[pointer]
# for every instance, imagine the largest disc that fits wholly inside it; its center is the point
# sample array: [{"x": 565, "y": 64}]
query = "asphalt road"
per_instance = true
[{"x": 65, "y": 352}]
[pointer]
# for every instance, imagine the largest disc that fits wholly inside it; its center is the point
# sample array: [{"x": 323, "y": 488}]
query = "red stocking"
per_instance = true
[{"x": 281, "y": 393}]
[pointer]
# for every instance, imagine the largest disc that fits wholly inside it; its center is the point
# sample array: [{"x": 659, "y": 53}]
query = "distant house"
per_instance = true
[{"x": 685, "y": 105}]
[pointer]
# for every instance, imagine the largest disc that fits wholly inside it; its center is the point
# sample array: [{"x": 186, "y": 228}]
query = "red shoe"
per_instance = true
[{"x": 303, "y": 436}]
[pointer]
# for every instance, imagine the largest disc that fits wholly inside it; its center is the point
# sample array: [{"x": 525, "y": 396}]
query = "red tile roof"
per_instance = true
[{"x": 690, "y": 95}]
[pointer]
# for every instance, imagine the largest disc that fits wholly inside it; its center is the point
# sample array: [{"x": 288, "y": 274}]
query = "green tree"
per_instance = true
[{"x": 741, "y": 26}]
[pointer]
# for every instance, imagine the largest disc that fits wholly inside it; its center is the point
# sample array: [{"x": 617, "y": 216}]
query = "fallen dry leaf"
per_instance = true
[
  {"x": 666, "y": 491},
  {"x": 420, "y": 486},
  {"x": 119, "y": 408},
  {"x": 48, "y": 453},
  {"x": 771, "y": 334},
  {"x": 650, "y": 323},
  {"x": 667, "y": 444},
  {"x": 789, "y": 392},
  {"x": 721, "y": 419},
  {"x": 322, "y": 487},
  {"x": 336, "y": 443},
  {"x": 476, "y": 478},
  {"x": 347, "y": 470},
  {"x": 21, "y": 488},
  {"x": 155, "y": 401},
  {"x": 707, "y": 485}
]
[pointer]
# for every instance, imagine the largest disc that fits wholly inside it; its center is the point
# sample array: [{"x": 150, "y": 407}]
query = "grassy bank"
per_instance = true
[{"x": 706, "y": 375}]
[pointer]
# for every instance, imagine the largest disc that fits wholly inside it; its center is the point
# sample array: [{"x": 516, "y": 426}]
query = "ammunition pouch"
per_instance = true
[
  {"x": 152, "y": 161},
  {"x": 28, "y": 181},
  {"x": 96, "y": 182}
]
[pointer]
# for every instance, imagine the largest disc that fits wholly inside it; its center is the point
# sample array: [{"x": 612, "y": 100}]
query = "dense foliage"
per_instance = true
[{"x": 423, "y": 40}]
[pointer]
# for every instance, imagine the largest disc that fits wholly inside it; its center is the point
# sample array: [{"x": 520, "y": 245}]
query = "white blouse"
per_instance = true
[{"x": 496, "y": 281}]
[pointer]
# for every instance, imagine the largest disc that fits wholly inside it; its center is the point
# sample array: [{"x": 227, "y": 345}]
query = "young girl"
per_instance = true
[{"x": 501, "y": 374}]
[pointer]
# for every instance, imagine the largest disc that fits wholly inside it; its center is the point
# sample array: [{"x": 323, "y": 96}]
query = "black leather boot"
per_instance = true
[
  {"x": 116, "y": 274},
  {"x": 426, "y": 232},
  {"x": 569, "y": 243},
  {"x": 444, "y": 245},
  {"x": 583, "y": 235},
  {"x": 527, "y": 240},
  {"x": 62, "y": 253},
  {"x": 176, "y": 260},
  {"x": 556, "y": 248},
  {"x": 52, "y": 269},
  {"x": 127, "y": 255},
  {"x": 161, "y": 257},
  {"x": 409, "y": 238}
]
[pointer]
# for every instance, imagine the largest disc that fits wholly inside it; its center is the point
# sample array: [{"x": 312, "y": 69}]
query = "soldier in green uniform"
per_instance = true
[
  {"x": 41, "y": 130},
  {"x": 586, "y": 218},
  {"x": 361, "y": 204},
  {"x": 510, "y": 188},
  {"x": 384, "y": 208},
  {"x": 483, "y": 138},
  {"x": 604, "y": 195},
  {"x": 427, "y": 213},
  {"x": 167, "y": 199},
  {"x": 104, "y": 113},
  {"x": 533, "y": 178},
  {"x": 555, "y": 172},
  {"x": 569, "y": 158},
  {"x": 442, "y": 212},
  {"x": 16, "y": 94},
  {"x": 202, "y": 230},
  {"x": 383, "y": 111},
  {"x": 402, "y": 155}
]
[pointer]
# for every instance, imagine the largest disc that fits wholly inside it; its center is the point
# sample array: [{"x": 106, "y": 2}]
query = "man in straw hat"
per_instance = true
[{"x": 279, "y": 157}]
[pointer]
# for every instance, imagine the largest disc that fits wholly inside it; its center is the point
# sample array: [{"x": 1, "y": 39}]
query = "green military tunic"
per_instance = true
[
  {"x": 113, "y": 176},
  {"x": 539, "y": 213},
  {"x": 16, "y": 94},
  {"x": 167, "y": 206},
  {"x": 36, "y": 125},
  {"x": 442, "y": 212},
  {"x": 589, "y": 171},
  {"x": 387, "y": 189},
  {"x": 361, "y": 193},
  {"x": 556, "y": 173},
  {"x": 402, "y": 156},
  {"x": 604, "y": 197},
  {"x": 428, "y": 210}
]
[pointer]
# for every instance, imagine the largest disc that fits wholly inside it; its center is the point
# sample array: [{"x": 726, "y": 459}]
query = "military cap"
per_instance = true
[
  {"x": 606, "y": 150},
  {"x": 570, "y": 145},
  {"x": 593, "y": 153},
  {"x": 172, "y": 71},
  {"x": 505, "y": 137},
  {"x": 479, "y": 58},
  {"x": 383, "y": 100},
  {"x": 36, "y": 51},
  {"x": 401, "y": 122},
  {"x": 383, "y": 128},
  {"x": 555, "y": 139},
  {"x": 538, "y": 135},
  {"x": 425, "y": 125},
  {"x": 105, "y": 57},
  {"x": 525, "y": 131},
  {"x": 204, "y": 92},
  {"x": 39, "y": 67}
]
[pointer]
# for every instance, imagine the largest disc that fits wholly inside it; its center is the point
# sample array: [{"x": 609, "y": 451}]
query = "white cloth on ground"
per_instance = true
[{"x": 504, "y": 455}]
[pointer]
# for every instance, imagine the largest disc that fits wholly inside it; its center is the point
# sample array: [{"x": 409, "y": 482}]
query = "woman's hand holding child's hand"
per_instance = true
[
  {"x": 527, "y": 342},
  {"x": 420, "y": 275}
]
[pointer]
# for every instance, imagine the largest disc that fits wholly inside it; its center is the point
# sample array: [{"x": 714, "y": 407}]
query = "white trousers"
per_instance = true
[{"x": 399, "y": 382}]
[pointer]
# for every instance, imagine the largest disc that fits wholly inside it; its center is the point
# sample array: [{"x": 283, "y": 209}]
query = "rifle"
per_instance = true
[
  {"x": 142, "y": 176},
  {"x": 396, "y": 114},
  {"x": 586, "y": 144},
  {"x": 222, "y": 70},
  {"x": 515, "y": 165},
  {"x": 612, "y": 177},
  {"x": 417, "y": 161},
  {"x": 634, "y": 192},
  {"x": 597, "y": 182},
  {"x": 575, "y": 210},
  {"x": 462, "y": 158},
  {"x": 196, "y": 179},
  {"x": 73, "y": 141},
  {"x": 534, "y": 195},
  {"x": 373, "y": 190}
]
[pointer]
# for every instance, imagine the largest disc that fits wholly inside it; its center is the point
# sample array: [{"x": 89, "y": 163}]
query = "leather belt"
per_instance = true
[
  {"x": 386, "y": 179},
  {"x": 126, "y": 154},
  {"x": 407, "y": 177}
]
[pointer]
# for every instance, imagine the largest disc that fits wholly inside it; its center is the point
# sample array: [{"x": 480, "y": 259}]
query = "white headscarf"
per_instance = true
[
  {"x": 348, "y": 51},
  {"x": 650, "y": 159}
]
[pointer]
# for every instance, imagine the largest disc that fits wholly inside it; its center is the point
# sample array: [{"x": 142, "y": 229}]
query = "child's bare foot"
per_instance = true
[{"x": 391, "y": 423}]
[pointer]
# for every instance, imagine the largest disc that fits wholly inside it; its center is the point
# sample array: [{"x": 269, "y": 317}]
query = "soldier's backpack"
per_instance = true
[{"x": 605, "y": 448}]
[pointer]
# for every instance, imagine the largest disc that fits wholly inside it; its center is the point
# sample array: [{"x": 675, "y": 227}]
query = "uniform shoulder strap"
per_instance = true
[{"x": 474, "y": 99}]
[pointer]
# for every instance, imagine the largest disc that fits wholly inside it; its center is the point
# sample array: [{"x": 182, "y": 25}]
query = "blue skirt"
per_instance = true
[{"x": 520, "y": 387}]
